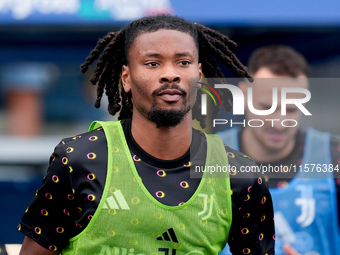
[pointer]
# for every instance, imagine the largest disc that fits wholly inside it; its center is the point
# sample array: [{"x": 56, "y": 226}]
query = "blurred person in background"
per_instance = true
[
  {"x": 125, "y": 187},
  {"x": 306, "y": 209}
]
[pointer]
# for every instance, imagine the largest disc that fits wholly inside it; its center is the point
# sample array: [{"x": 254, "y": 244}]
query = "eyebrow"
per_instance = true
[
  {"x": 179, "y": 54},
  {"x": 183, "y": 54}
]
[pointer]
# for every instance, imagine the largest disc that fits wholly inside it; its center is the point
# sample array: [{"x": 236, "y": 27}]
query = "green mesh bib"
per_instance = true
[{"x": 130, "y": 221}]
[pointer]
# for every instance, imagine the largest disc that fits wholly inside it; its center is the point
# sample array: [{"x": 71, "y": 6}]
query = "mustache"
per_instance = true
[{"x": 168, "y": 86}]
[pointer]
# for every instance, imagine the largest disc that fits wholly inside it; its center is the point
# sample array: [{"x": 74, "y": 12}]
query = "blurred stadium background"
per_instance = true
[{"x": 44, "y": 97}]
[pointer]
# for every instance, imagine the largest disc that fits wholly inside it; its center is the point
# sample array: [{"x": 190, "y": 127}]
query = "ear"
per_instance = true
[
  {"x": 200, "y": 71},
  {"x": 243, "y": 86},
  {"x": 126, "y": 78}
]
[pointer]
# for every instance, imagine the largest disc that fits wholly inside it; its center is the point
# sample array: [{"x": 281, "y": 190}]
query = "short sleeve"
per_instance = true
[
  {"x": 252, "y": 230},
  {"x": 48, "y": 218}
]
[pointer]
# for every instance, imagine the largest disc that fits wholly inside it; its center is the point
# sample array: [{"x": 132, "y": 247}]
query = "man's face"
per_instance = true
[
  {"x": 273, "y": 136},
  {"x": 160, "y": 67}
]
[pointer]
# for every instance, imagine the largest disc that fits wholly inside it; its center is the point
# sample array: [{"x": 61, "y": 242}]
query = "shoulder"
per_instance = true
[
  {"x": 326, "y": 139},
  {"x": 335, "y": 154},
  {"x": 237, "y": 158},
  {"x": 80, "y": 150},
  {"x": 335, "y": 143},
  {"x": 84, "y": 138},
  {"x": 83, "y": 141},
  {"x": 246, "y": 175}
]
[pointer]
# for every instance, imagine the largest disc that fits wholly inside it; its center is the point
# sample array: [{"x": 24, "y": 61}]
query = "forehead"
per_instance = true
[
  {"x": 164, "y": 40},
  {"x": 265, "y": 81}
]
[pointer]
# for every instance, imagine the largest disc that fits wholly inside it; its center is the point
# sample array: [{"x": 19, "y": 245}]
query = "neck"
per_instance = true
[
  {"x": 253, "y": 148},
  {"x": 165, "y": 143}
]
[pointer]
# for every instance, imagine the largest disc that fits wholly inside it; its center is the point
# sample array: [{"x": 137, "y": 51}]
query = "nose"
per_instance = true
[
  {"x": 170, "y": 75},
  {"x": 275, "y": 119}
]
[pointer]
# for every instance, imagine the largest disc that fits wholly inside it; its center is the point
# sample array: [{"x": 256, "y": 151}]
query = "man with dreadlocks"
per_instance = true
[{"x": 125, "y": 187}]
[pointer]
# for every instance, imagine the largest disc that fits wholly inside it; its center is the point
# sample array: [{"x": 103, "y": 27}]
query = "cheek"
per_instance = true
[
  {"x": 140, "y": 85},
  {"x": 291, "y": 130},
  {"x": 193, "y": 94},
  {"x": 251, "y": 115},
  {"x": 295, "y": 115},
  {"x": 259, "y": 133}
]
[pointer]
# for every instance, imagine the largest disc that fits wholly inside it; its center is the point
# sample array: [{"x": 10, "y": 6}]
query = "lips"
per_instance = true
[
  {"x": 276, "y": 135},
  {"x": 170, "y": 95}
]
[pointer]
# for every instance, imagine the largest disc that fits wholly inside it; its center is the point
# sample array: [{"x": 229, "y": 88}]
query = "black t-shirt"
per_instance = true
[{"x": 69, "y": 195}]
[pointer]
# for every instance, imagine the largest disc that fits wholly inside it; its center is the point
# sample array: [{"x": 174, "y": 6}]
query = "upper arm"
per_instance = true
[
  {"x": 252, "y": 220},
  {"x": 49, "y": 208},
  {"x": 61, "y": 205},
  {"x": 30, "y": 247}
]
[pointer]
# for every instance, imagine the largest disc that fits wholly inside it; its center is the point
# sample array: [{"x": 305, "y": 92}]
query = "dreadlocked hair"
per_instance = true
[{"x": 111, "y": 53}]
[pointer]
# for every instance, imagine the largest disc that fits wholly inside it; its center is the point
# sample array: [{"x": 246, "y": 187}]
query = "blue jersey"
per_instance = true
[{"x": 305, "y": 210}]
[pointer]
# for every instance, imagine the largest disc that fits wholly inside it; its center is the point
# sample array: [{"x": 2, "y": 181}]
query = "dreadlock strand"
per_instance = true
[
  {"x": 106, "y": 55},
  {"x": 114, "y": 99},
  {"x": 94, "y": 54},
  {"x": 113, "y": 91},
  {"x": 216, "y": 35},
  {"x": 226, "y": 60},
  {"x": 210, "y": 68},
  {"x": 109, "y": 84},
  {"x": 100, "y": 91},
  {"x": 209, "y": 51},
  {"x": 219, "y": 46},
  {"x": 126, "y": 111},
  {"x": 224, "y": 48},
  {"x": 196, "y": 112},
  {"x": 114, "y": 106}
]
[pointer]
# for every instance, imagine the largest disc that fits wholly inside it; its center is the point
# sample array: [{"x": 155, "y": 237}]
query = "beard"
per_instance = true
[{"x": 167, "y": 118}]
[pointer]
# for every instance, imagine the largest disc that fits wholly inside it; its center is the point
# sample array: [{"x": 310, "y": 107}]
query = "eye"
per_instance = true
[
  {"x": 264, "y": 107},
  {"x": 292, "y": 110},
  {"x": 185, "y": 63},
  {"x": 152, "y": 64}
]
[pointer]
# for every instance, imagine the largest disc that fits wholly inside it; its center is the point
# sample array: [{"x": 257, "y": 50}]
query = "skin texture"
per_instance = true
[
  {"x": 29, "y": 246},
  {"x": 271, "y": 141},
  {"x": 162, "y": 63},
  {"x": 289, "y": 250},
  {"x": 160, "y": 67}
]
